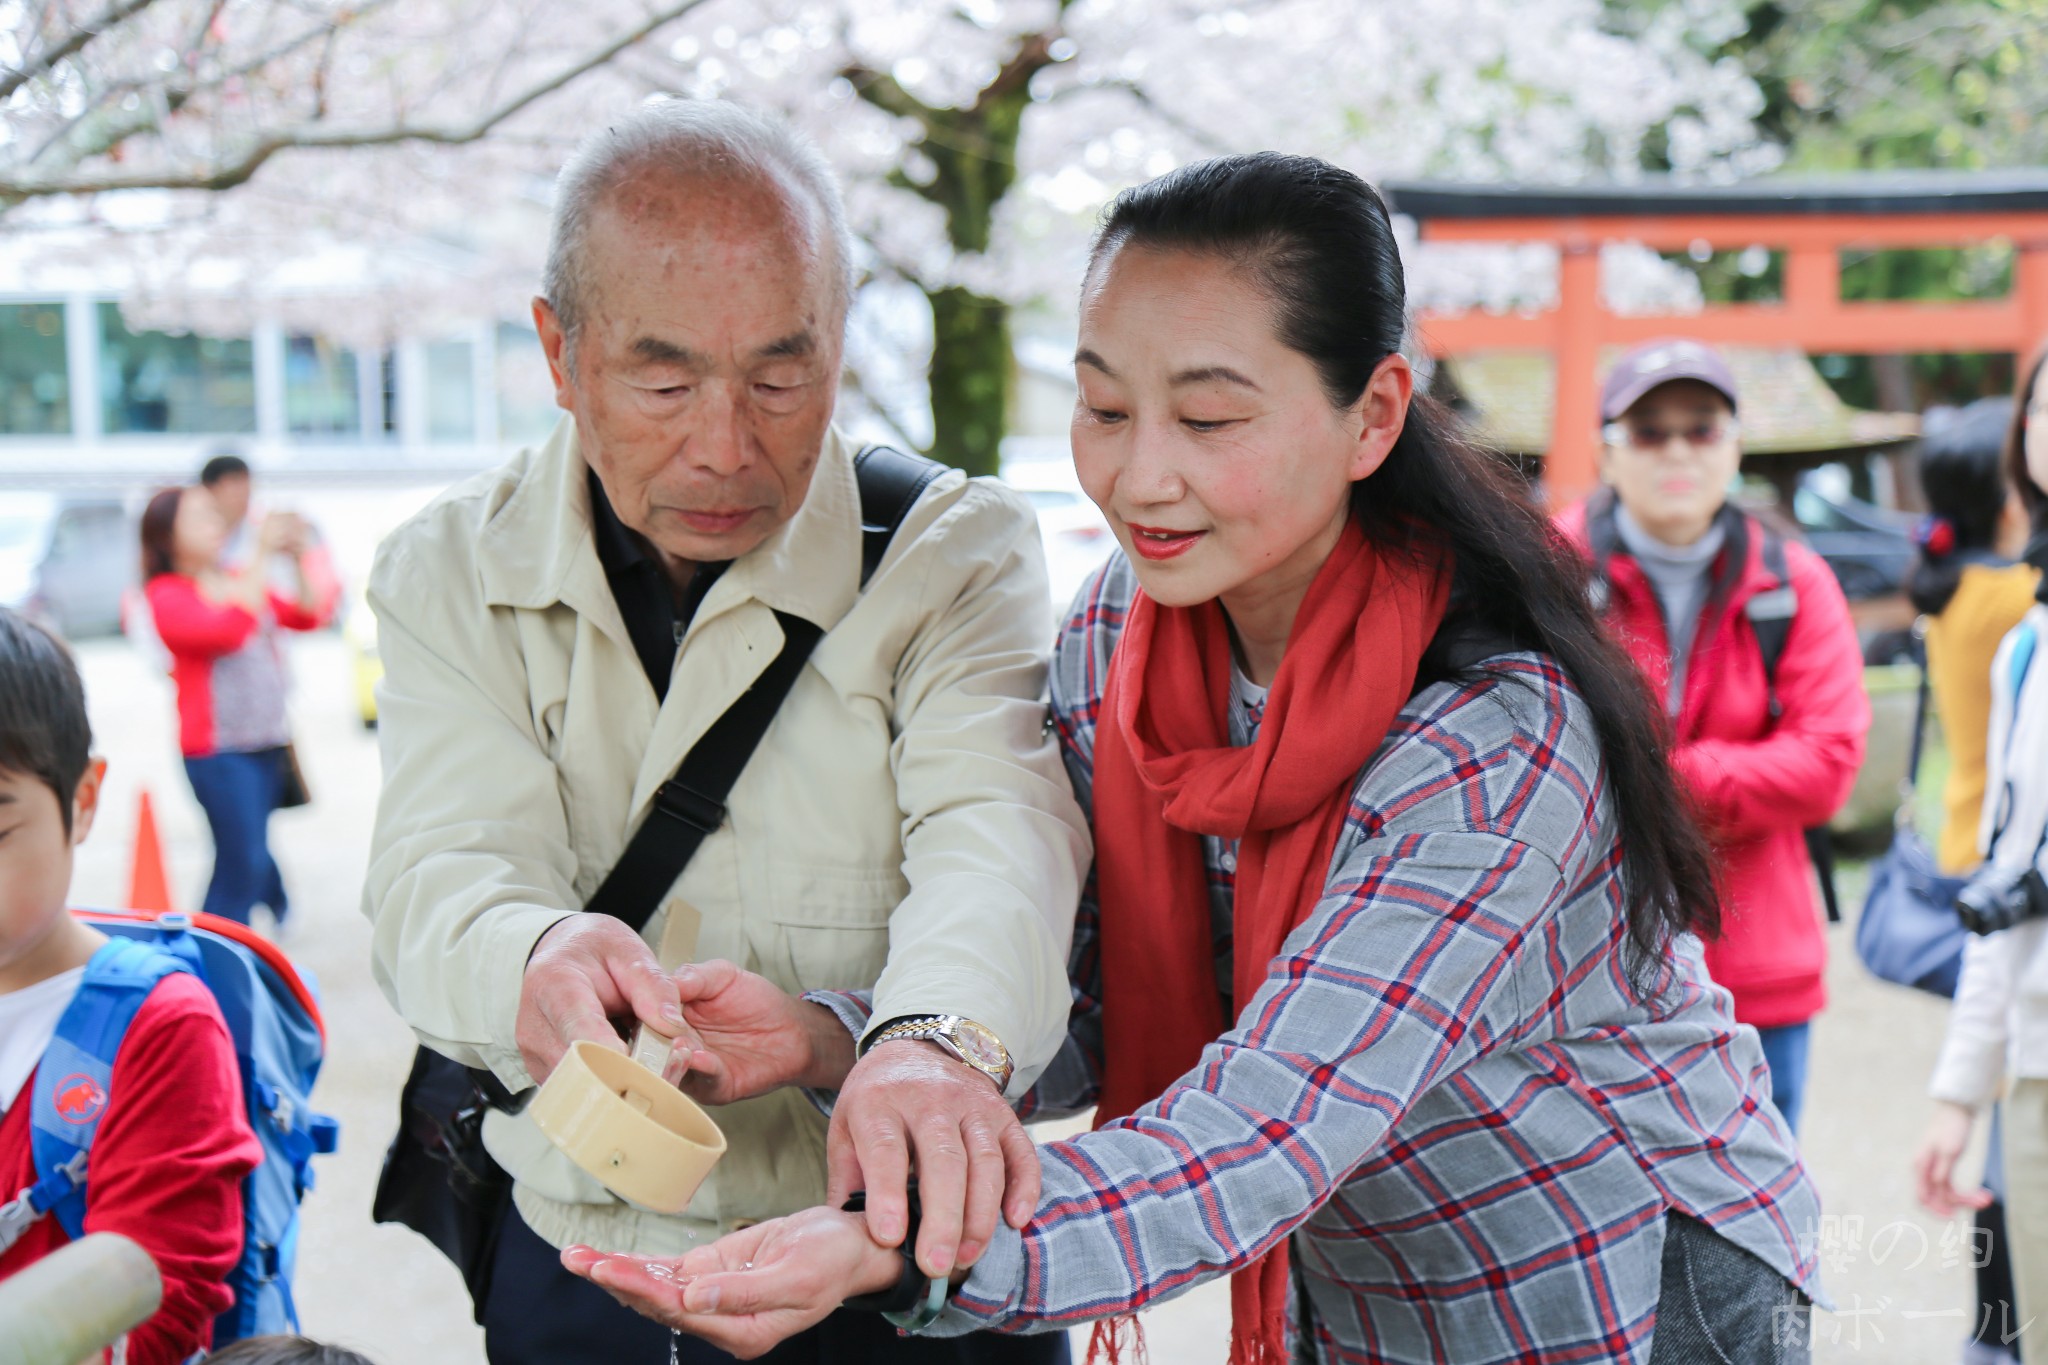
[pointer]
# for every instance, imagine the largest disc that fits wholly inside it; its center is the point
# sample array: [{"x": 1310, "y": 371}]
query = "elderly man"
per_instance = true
[{"x": 558, "y": 633}]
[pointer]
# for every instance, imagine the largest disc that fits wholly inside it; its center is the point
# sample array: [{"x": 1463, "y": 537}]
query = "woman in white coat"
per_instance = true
[{"x": 1998, "y": 1030}]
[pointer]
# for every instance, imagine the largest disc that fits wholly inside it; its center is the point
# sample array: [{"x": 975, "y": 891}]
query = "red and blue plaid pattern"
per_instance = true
[{"x": 1446, "y": 1091}]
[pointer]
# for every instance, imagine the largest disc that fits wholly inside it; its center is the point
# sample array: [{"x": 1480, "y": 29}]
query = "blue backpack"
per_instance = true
[{"x": 274, "y": 1020}]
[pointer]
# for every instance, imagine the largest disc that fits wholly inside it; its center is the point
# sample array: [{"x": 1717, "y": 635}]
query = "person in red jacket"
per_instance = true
[
  {"x": 173, "y": 1145},
  {"x": 220, "y": 625},
  {"x": 1763, "y": 758}
]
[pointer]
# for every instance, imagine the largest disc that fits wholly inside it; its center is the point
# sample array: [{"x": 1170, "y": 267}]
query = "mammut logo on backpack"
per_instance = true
[{"x": 79, "y": 1098}]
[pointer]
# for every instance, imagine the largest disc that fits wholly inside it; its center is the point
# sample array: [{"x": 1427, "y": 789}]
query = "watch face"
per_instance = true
[{"x": 981, "y": 1045}]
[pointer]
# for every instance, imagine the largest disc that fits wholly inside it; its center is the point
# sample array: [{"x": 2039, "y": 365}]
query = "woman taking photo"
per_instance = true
[
  {"x": 220, "y": 628},
  {"x": 1367, "y": 779},
  {"x": 1998, "y": 1029}
]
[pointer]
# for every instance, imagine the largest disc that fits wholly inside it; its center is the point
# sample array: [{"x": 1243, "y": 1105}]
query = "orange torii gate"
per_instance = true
[{"x": 1811, "y": 221}]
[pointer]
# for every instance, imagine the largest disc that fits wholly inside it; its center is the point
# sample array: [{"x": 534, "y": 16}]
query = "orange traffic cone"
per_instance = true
[{"x": 149, "y": 886}]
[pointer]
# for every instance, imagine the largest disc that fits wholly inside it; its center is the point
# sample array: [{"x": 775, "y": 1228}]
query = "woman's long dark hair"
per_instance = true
[
  {"x": 159, "y": 533},
  {"x": 1962, "y": 472},
  {"x": 2032, "y": 496},
  {"x": 1318, "y": 241}
]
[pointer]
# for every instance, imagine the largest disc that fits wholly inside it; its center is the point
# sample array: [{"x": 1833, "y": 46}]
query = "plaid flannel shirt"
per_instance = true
[{"x": 1445, "y": 1093}]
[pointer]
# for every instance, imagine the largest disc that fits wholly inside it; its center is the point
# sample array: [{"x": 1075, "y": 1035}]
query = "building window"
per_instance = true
[
  {"x": 35, "y": 387},
  {"x": 321, "y": 394},
  {"x": 451, "y": 391},
  {"x": 153, "y": 382},
  {"x": 526, "y": 392}
]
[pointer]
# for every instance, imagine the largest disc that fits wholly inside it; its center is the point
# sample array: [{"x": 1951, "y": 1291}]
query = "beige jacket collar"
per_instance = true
[{"x": 540, "y": 549}]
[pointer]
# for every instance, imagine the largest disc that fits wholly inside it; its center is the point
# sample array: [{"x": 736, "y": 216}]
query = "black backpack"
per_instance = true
[{"x": 1770, "y": 616}]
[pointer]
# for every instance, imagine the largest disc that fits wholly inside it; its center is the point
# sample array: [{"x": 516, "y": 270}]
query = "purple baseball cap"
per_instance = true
[{"x": 1660, "y": 362}]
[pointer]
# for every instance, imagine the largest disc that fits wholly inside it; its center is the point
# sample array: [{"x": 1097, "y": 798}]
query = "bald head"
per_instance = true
[
  {"x": 683, "y": 169},
  {"x": 695, "y": 322}
]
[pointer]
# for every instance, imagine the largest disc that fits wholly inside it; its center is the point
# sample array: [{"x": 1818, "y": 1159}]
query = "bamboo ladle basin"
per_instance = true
[{"x": 619, "y": 1121}]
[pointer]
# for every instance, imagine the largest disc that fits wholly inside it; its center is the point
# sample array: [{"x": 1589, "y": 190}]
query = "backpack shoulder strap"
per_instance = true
[
  {"x": 75, "y": 1077},
  {"x": 2025, "y": 642},
  {"x": 891, "y": 482},
  {"x": 1602, "y": 536},
  {"x": 1771, "y": 612}
]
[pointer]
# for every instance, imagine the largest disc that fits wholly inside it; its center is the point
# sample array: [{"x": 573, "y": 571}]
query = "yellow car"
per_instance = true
[{"x": 366, "y": 666}]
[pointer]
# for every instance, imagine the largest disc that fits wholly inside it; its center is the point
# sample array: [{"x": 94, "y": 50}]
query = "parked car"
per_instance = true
[
  {"x": 67, "y": 561},
  {"x": 366, "y": 665},
  {"x": 1076, "y": 535},
  {"x": 1870, "y": 548}
]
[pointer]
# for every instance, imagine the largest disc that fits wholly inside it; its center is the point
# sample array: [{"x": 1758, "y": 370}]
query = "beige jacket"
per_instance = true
[{"x": 905, "y": 825}]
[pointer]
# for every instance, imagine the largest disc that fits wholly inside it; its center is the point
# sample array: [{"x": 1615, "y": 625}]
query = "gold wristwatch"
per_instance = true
[{"x": 972, "y": 1043}]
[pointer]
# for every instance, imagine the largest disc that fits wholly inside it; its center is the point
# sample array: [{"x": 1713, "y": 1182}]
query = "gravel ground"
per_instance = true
[{"x": 1900, "y": 1280}]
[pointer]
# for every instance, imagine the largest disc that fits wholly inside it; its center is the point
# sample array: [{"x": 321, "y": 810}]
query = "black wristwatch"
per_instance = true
[
  {"x": 916, "y": 1299},
  {"x": 909, "y": 1290}
]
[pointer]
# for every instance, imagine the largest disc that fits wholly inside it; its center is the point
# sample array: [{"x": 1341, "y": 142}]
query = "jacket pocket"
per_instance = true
[{"x": 832, "y": 923}]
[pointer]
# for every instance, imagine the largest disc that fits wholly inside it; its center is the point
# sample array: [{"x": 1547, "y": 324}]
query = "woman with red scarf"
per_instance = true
[{"x": 1388, "y": 987}]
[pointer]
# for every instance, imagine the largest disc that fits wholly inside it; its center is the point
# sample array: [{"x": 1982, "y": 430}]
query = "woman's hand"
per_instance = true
[
  {"x": 246, "y": 588},
  {"x": 752, "y": 1037},
  {"x": 1935, "y": 1164},
  {"x": 273, "y": 533},
  {"x": 757, "y": 1287},
  {"x": 281, "y": 533}
]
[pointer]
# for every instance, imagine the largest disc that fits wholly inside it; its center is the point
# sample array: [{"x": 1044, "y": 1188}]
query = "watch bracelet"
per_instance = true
[
  {"x": 880, "y": 1034},
  {"x": 875, "y": 1032}
]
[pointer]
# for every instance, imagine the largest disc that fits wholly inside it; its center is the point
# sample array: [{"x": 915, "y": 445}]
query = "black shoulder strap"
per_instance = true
[
  {"x": 691, "y": 804},
  {"x": 1770, "y": 615},
  {"x": 1770, "y": 612},
  {"x": 1820, "y": 847},
  {"x": 890, "y": 485},
  {"x": 1602, "y": 536},
  {"x": 1922, "y": 696}
]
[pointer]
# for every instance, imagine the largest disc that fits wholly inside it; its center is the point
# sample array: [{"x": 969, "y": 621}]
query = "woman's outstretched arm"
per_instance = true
[{"x": 1406, "y": 973}]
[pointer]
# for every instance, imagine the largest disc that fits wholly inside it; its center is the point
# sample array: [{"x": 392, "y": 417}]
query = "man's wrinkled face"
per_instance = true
[{"x": 706, "y": 365}]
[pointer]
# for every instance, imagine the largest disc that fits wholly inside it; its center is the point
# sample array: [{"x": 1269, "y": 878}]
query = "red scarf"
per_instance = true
[{"x": 1166, "y": 774}]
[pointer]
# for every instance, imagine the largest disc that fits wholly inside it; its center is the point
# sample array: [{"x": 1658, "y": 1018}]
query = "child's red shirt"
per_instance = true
[{"x": 166, "y": 1167}]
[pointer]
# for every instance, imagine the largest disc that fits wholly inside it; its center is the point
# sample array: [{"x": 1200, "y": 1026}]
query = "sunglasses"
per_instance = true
[{"x": 1705, "y": 431}]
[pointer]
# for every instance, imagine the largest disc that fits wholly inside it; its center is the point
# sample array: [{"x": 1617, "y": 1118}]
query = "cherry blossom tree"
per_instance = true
[
  {"x": 110, "y": 95},
  {"x": 981, "y": 140},
  {"x": 977, "y": 139}
]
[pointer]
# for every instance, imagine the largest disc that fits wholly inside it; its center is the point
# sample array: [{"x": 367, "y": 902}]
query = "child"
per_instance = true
[
  {"x": 285, "y": 1350},
  {"x": 172, "y": 1145}
]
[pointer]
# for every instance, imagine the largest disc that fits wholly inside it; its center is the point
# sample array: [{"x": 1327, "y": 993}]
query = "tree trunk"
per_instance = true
[
  {"x": 970, "y": 378},
  {"x": 973, "y": 155}
]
